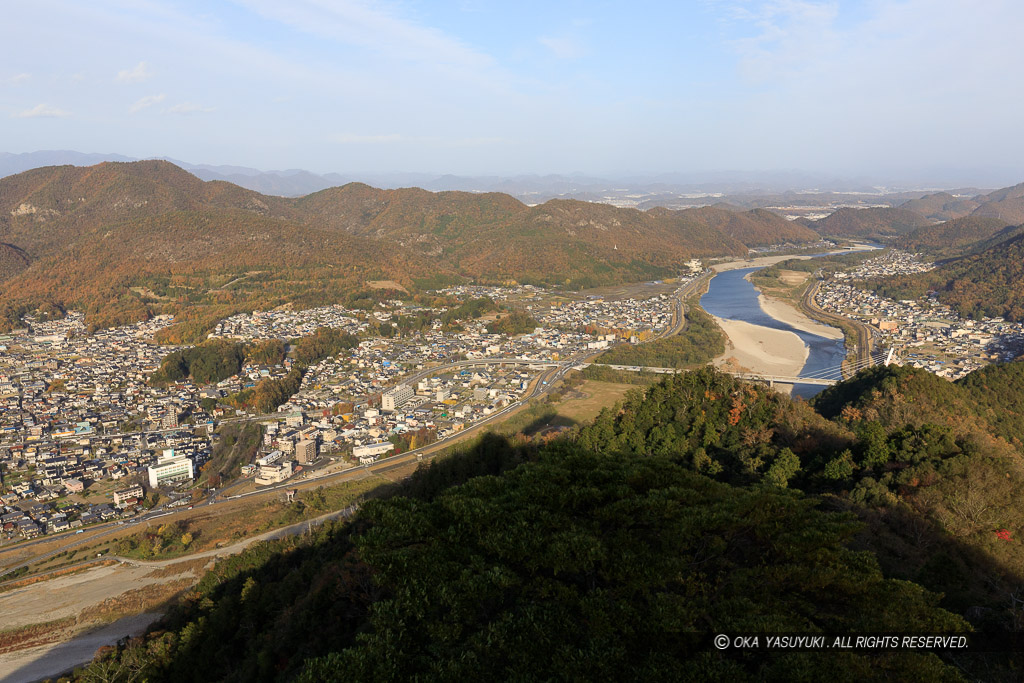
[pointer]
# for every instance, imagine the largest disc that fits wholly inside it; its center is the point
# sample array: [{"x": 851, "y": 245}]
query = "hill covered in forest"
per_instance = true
[
  {"x": 988, "y": 283},
  {"x": 941, "y": 206},
  {"x": 1006, "y": 204},
  {"x": 955, "y": 237},
  {"x": 126, "y": 240},
  {"x": 873, "y": 223},
  {"x": 700, "y": 505}
]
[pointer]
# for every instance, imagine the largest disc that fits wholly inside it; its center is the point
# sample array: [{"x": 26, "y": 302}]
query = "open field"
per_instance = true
[
  {"x": 793, "y": 277},
  {"x": 386, "y": 284},
  {"x": 633, "y": 290},
  {"x": 592, "y": 397}
]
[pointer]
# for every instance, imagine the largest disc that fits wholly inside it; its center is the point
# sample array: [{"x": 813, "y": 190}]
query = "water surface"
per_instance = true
[{"x": 732, "y": 297}]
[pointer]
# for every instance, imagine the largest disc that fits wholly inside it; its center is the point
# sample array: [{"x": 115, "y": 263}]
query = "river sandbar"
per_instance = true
[
  {"x": 762, "y": 349},
  {"x": 784, "y": 312}
]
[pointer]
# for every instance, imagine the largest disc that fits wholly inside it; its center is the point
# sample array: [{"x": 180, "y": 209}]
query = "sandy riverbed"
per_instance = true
[
  {"x": 762, "y": 349},
  {"x": 46, "y": 661},
  {"x": 780, "y": 310},
  {"x": 762, "y": 261}
]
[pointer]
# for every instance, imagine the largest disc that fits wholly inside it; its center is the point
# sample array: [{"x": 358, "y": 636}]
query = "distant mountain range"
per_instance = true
[
  {"x": 1004, "y": 206},
  {"x": 125, "y": 240},
  {"x": 672, "y": 190}
]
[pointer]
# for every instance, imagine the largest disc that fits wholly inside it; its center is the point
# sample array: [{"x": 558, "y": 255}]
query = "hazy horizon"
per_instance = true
[{"x": 904, "y": 92}]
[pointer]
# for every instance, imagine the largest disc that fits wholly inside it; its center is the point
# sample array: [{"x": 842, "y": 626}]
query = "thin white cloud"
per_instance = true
[
  {"x": 19, "y": 79},
  {"x": 792, "y": 35},
  {"x": 189, "y": 108},
  {"x": 372, "y": 25},
  {"x": 41, "y": 111},
  {"x": 138, "y": 74},
  {"x": 563, "y": 47},
  {"x": 145, "y": 102},
  {"x": 351, "y": 139}
]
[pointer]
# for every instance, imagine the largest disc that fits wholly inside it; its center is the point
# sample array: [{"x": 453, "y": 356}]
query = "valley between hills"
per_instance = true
[{"x": 470, "y": 339}]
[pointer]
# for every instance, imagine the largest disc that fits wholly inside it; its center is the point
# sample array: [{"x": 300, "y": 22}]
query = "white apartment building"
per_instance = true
[
  {"x": 273, "y": 474},
  {"x": 397, "y": 397},
  {"x": 170, "y": 468}
]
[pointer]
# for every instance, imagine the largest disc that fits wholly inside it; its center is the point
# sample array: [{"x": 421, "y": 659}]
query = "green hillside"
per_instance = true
[
  {"x": 700, "y": 505},
  {"x": 989, "y": 283}
]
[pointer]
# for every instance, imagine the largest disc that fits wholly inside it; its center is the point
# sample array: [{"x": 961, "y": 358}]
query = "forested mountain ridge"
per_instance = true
[
  {"x": 125, "y": 240},
  {"x": 941, "y": 206},
  {"x": 988, "y": 283},
  {"x": 955, "y": 237},
  {"x": 1005, "y": 205},
  {"x": 700, "y": 505},
  {"x": 872, "y": 223},
  {"x": 754, "y": 228}
]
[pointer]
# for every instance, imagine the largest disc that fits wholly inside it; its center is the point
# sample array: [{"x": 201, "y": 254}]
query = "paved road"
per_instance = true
[
  {"x": 233, "y": 549},
  {"x": 865, "y": 336},
  {"x": 681, "y": 295},
  {"x": 542, "y": 385},
  {"x": 555, "y": 371}
]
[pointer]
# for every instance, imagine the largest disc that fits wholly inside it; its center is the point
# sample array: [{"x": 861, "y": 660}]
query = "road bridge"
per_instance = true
[{"x": 752, "y": 376}]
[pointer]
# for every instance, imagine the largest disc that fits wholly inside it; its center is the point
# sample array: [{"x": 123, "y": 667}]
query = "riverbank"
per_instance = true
[
  {"x": 787, "y": 313},
  {"x": 45, "y": 661},
  {"x": 764, "y": 349},
  {"x": 761, "y": 349},
  {"x": 141, "y": 586}
]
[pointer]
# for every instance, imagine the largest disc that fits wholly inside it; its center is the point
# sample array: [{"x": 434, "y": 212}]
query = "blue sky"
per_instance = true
[{"x": 479, "y": 86}]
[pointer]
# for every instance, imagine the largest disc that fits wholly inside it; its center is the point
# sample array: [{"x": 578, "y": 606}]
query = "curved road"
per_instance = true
[{"x": 865, "y": 337}]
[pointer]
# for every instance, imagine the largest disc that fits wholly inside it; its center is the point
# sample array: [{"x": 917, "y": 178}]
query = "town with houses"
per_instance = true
[
  {"x": 85, "y": 437},
  {"x": 925, "y": 333}
]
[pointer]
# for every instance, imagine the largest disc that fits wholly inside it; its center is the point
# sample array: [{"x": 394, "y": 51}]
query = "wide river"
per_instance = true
[{"x": 732, "y": 297}]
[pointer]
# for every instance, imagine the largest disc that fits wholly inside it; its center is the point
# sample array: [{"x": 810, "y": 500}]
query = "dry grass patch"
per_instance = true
[
  {"x": 594, "y": 396},
  {"x": 793, "y": 277},
  {"x": 36, "y": 634},
  {"x": 193, "y": 567},
  {"x": 135, "y": 601},
  {"x": 386, "y": 284}
]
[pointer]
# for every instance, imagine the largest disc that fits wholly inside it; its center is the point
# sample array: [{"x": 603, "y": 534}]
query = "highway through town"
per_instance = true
[
  {"x": 552, "y": 373},
  {"x": 544, "y": 383}
]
